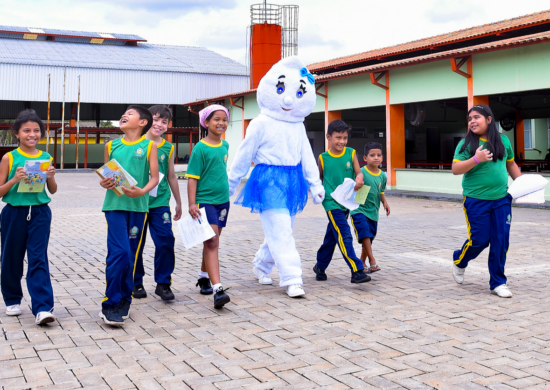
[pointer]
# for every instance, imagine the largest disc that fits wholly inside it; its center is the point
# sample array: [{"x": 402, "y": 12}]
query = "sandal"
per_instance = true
[{"x": 374, "y": 268}]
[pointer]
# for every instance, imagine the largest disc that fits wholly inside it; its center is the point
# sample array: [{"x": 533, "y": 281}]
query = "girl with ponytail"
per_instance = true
[{"x": 485, "y": 158}]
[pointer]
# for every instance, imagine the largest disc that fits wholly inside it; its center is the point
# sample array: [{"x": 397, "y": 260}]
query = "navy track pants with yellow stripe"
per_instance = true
[
  {"x": 488, "y": 223},
  {"x": 19, "y": 235},
  {"x": 338, "y": 233},
  {"x": 124, "y": 238},
  {"x": 159, "y": 222}
]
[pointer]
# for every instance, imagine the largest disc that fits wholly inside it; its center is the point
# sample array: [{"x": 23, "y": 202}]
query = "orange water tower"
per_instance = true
[{"x": 271, "y": 35}]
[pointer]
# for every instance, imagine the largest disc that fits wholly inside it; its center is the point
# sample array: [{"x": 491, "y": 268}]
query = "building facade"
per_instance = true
[{"x": 413, "y": 98}]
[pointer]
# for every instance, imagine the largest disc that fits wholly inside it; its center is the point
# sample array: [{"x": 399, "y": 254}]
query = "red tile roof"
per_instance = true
[
  {"x": 457, "y": 53},
  {"x": 438, "y": 40},
  {"x": 223, "y": 97}
]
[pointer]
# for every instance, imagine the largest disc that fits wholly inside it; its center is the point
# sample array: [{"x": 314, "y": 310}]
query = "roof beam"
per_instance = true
[
  {"x": 375, "y": 80},
  {"x": 455, "y": 67}
]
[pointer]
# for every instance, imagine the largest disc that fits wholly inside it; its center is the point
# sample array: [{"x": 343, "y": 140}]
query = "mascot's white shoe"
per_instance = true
[
  {"x": 263, "y": 278},
  {"x": 295, "y": 290}
]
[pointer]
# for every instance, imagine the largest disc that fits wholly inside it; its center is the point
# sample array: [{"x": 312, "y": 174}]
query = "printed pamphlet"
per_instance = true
[
  {"x": 194, "y": 232},
  {"x": 35, "y": 179},
  {"x": 122, "y": 178}
]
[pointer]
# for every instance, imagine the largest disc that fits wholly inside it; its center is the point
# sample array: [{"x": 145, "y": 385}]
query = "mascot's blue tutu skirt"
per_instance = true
[{"x": 275, "y": 187}]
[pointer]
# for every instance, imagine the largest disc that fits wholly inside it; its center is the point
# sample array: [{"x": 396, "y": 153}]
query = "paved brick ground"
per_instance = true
[{"x": 412, "y": 327}]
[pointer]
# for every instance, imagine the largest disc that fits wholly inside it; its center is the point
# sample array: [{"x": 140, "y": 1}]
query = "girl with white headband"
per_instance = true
[{"x": 208, "y": 188}]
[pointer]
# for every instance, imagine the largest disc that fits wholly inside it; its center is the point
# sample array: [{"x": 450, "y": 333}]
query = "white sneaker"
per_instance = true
[
  {"x": 44, "y": 317},
  {"x": 13, "y": 310},
  {"x": 263, "y": 278},
  {"x": 295, "y": 290},
  {"x": 458, "y": 274},
  {"x": 502, "y": 291}
]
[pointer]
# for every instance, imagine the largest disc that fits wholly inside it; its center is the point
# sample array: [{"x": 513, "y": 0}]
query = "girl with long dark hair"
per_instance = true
[{"x": 486, "y": 158}]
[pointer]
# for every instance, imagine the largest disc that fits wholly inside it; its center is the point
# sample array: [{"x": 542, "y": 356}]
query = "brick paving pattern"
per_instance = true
[{"x": 412, "y": 327}]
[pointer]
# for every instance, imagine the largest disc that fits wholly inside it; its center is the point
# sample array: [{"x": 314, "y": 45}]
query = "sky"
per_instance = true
[{"x": 327, "y": 28}]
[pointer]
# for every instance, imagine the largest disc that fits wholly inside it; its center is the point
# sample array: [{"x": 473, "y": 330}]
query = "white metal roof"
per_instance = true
[
  {"x": 144, "y": 56},
  {"x": 18, "y": 31}
]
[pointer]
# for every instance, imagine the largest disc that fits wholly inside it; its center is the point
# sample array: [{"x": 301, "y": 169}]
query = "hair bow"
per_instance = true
[{"x": 305, "y": 73}]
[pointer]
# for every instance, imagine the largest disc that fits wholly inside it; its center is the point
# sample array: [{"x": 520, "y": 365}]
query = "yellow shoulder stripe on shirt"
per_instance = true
[
  {"x": 456, "y": 160},
  {"x": 193, "y": 176},
  {"x": 353, "y": 155},
  {"x": 171, "y": 151},
  {"x": 151, "y": 143},
  {"x": 322, "y": 162},
  {"x": 109, "y": 144},
  {"x": 512, "y": 159},
  {"x": 10, "y": 163}
]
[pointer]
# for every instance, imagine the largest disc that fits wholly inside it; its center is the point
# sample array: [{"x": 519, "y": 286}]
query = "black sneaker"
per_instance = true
[
  {"x": 206, "y": 287},
  {"x": 221, "y": 298},
  {"x": 139, "y": 291},
  {"x": 360, "y": 277},
  {"x": 320, "y": 274},
  {"x": 164, "y": 292},
  {"x": 111, "y": 315},
  {"x": 125, "y": 309}
]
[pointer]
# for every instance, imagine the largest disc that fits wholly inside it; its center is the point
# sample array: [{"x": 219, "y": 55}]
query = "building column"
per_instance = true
[
  {"x": 169, "y": 137},
  {"x": 520, "y": 137},
  {"x": 483, "y": 99},
  {"x": 395, "y": 136},
  {"x": 246, "y": 122},
  {"x": 395, "y": 141},
  {"x": 329, "y": 117}
]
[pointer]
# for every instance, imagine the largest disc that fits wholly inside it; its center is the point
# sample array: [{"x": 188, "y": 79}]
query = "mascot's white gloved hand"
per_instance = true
[
  {"x": 317, "y": 194},
  {"x": 231, "y": 191}
]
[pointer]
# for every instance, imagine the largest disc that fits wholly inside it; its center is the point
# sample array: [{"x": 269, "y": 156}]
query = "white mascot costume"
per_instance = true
[{"x": 285, "y": 168}]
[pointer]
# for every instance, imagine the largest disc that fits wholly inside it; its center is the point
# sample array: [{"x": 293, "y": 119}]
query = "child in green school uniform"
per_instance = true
[
  {"x": 365, "y": 218},
  {"x": 126, "y": 215},
  {"x": 208, "y": 188},
  {"x": 335, "y": 165},
  {"x": 26, "y": 222},
  {"x": 159, "y": 218},
  {"x": 486, "y": 158}
]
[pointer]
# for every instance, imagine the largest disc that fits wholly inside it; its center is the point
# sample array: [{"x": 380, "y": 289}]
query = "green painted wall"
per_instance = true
[
  {"x": 540, "y": 140},
  {"x": 438, "y": 181},
  {"x": 354, "y": 92},
  {"x": 233, "y": 135},
  {"x": 251, "y": 109},
  {"x": 520, "y": 69},
  {"x": 425, "y": 82},
  {"x": 319, "y": 103}
]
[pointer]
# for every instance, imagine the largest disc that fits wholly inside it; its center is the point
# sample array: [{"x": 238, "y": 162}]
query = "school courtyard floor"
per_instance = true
[{"x": 412, "y": 327}]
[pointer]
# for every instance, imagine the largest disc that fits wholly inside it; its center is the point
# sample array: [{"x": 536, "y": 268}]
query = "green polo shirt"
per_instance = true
[
  {"x": 134, "y": 158},
  {"x": 17, "y": 159},
  {"x": 377, "y": 183},
  {"x": 165, "y": 151},
  {"x": 208, "y": 165},
  {"x": 488, "y": 180},
  {"x": 336, "y": 168}
]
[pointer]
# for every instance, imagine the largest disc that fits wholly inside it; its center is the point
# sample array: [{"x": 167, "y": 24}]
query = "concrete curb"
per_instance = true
[
  {"x": 453, "y": 198},
  {"x": 80, "y": 170}
]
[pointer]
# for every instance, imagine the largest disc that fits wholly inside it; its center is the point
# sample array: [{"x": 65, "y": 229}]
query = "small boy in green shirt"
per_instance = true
[
  {"x": 159, "y": 218},
  {"x": 335, "y": 165},
  {"x": 365, "y": 218},
  {"x": 126, "y": 214}
]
